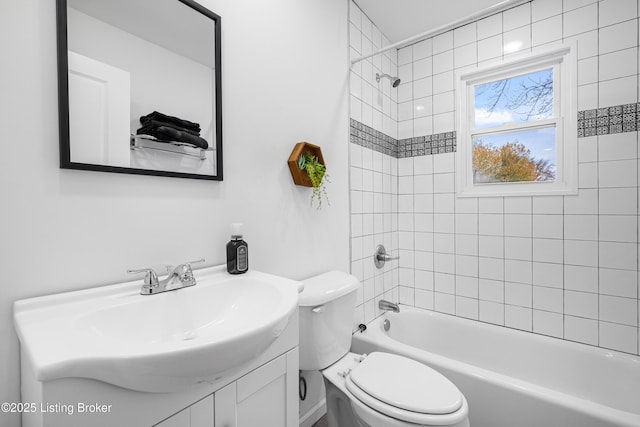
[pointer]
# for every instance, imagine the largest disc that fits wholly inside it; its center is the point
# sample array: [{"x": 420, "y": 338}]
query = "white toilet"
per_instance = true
[{"x": 379, "y": 389}]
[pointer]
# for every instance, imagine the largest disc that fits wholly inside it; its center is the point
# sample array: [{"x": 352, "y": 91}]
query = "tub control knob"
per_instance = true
[{"x": 381, "y": 256}]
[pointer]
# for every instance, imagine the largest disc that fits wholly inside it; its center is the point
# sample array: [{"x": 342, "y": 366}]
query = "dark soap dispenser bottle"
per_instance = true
[{"x": 237, "y": 252}]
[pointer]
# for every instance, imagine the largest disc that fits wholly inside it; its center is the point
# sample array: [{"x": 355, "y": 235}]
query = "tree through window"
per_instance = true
[
  {"x": 527, "y": 155},
  {"x": 517, "y": 125}
]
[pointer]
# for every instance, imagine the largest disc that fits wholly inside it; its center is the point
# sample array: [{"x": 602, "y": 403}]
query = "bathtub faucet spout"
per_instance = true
[{"x": 389, "y": 306}]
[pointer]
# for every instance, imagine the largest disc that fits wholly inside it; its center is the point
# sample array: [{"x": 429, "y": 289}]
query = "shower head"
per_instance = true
[{"x": 394, "y": 80}]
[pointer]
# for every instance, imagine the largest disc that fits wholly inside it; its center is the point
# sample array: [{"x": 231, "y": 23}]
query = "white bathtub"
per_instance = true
[{"x": 513, "y": 378}]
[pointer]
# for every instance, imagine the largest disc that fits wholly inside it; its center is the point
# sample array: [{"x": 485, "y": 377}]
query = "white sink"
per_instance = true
[{"x": 156, "y": 343}]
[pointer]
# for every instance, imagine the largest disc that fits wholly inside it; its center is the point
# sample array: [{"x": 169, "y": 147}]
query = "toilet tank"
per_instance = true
[{"x": 327, "y": 306}]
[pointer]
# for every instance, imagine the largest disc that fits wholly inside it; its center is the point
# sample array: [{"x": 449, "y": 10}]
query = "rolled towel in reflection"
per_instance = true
[
  {"x": 171, "y": 120},
  {"x": 169, "y": 134}
]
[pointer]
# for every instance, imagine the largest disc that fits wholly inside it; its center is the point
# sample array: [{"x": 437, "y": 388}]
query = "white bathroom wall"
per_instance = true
[
  {"x": 284, "y": 79},
  {"x": 560, "y": 266},
  {"x": 373, "y": 168}
]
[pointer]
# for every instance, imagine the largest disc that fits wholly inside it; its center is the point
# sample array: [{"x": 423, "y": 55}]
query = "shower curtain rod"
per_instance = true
[{"x": 498, "y": 7}]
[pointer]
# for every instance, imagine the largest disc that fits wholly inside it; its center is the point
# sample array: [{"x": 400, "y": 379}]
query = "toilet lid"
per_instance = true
[{"x": 406, "y": 384}]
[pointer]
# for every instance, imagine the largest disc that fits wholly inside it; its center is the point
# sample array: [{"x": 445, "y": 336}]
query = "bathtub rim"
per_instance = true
[{"x": 591, "y": 408}]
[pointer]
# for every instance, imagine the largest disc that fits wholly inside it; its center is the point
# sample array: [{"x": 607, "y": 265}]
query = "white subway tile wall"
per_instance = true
[
  {"x": 565, "y": 267},
  {"x": 374, "y": 183}
]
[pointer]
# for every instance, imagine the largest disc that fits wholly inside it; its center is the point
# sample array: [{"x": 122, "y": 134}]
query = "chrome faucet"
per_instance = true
[
  {"x": 180, "y": 277},
  {"x": 388, "y": 306}
]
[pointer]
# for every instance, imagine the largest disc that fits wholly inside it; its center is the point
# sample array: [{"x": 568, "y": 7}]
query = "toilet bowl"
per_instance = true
[{"x": 375, "y": 390}]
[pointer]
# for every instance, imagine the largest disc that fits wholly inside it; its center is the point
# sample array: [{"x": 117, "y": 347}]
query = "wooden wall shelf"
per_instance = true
[{"x": 299, "y": 176}]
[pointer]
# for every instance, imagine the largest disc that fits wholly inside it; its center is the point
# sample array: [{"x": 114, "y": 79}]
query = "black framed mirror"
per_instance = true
[{"x": 139, "y": 87}]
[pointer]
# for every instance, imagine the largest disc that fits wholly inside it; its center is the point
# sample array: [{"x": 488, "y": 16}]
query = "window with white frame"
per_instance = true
[{"x": 517, "y": 126}]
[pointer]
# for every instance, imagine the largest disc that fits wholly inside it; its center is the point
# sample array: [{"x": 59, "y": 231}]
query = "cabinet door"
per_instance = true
[
  {"x": 200, "y": 414},
  {"x": 266, "y": 396},
  {"x": 181, "y": 419}
]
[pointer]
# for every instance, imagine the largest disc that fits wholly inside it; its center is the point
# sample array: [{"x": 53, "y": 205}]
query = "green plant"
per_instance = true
[{"x": 317, "y": 173}]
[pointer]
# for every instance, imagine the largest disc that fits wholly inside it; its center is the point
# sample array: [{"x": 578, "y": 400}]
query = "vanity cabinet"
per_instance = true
[
  {"x": 200, "y": 414},
  {"x": 266, "y": 396},
  {"x": 181, "y": 365},
  {"x": 263, "y": 393}
]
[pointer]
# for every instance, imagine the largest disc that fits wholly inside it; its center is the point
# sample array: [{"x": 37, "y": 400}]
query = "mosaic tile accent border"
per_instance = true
[
  {"x": 438, "y": 143},
  {"x": 368, "y": 137},
  {"x": 604, "y": 121},
  {"x": 598, "y": 121}
]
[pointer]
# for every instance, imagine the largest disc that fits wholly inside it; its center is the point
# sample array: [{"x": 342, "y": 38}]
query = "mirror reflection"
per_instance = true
[{"x": 142, "y": 88}]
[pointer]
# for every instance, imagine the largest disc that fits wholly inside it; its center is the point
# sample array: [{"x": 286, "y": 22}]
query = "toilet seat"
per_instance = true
[{"x": 406, "y": 390}]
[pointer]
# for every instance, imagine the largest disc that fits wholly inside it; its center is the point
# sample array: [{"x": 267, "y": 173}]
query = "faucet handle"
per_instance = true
[
  {"x": 195, "y": 262},
  {"x": 150, "y": 278},
  {"x": 184, "y": 271},
  {"x": 183, "y": 268}
]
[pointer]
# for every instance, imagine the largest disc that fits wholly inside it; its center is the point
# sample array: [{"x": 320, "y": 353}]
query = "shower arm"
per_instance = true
[{"x": 395, "y": 81}]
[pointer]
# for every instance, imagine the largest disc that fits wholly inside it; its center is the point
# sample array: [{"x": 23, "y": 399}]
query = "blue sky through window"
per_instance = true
[{"x": 523, "y": 98}]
